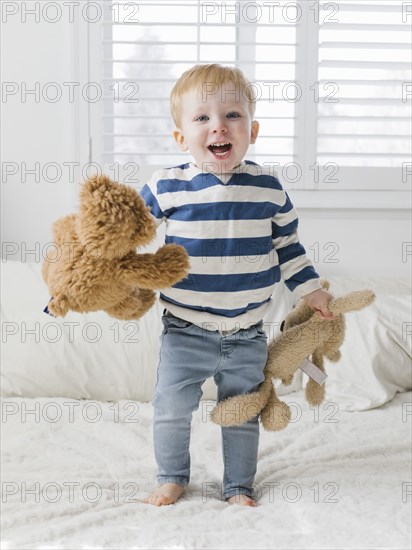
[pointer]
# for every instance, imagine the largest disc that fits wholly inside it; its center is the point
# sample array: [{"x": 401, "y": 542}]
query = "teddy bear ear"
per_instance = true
[
  {"x": 354, "y": 301},
  {"x": 112, "y": 217},
  {"x": 324, "y": 283}
]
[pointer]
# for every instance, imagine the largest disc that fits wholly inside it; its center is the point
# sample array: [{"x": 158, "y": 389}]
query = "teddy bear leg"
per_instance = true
[
  {"x": 58, "y": 305},
  {"x": 236, "y": 410},
  {"x": 333, "y": 355},
  {"x": 239, "y": 409},
  {"x": 314, "y": 392},
  {"x": 276, "y": 414},
  {"x": 134, "y": 306}
]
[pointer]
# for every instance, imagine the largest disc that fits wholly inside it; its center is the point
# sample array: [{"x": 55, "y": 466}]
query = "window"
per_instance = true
[
  {"x": 368, "y": 55},
  {"x": 333, "y": 80}
]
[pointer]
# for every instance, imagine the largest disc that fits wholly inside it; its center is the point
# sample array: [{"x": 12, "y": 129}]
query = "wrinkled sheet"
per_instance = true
[{"x": 75, "y": 473}]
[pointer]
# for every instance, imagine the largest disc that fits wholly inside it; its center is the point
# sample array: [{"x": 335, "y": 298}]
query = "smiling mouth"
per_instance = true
[{"x": 220, "y": 149}]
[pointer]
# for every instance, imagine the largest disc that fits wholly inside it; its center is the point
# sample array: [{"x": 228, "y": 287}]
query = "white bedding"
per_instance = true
[
  {"x": 360, "y": 460},
  {"x": 340, "y": 478}
]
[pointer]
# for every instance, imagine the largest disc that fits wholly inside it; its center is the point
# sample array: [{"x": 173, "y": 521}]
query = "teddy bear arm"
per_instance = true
[
  {"x": 354, "y": 301},
  {"x": 153, "y": 271}
]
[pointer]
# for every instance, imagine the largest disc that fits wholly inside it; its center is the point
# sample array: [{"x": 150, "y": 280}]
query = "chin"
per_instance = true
[
  {"x": 217, "y": 165},
  {"x": 224, "y": 165}
]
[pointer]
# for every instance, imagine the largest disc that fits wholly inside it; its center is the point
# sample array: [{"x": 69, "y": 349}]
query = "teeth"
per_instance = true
[{"x": 219, "y": 144}]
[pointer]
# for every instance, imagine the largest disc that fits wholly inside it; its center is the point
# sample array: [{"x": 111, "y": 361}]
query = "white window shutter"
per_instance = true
[
  {"x": 364, "y": 65},
  {"x": 350, "y": 129}
]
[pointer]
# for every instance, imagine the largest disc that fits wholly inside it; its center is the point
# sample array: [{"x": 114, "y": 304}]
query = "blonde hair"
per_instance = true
[{"x": 208, "y": 78}]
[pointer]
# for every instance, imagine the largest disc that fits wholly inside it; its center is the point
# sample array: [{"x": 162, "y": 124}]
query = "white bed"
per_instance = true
[{"x": 75, "y": 472}]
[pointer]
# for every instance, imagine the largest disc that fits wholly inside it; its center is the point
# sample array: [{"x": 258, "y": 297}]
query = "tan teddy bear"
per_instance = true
[
  {"x": 94, "y": 265},
  {"x": 304, "y": 334}
]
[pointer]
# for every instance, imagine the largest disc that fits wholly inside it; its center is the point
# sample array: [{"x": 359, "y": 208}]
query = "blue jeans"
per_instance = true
[{"x": 189, "y": 355}]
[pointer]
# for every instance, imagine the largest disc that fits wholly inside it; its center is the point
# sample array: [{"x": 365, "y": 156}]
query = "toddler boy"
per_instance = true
[{"x": 239, "y": 228}]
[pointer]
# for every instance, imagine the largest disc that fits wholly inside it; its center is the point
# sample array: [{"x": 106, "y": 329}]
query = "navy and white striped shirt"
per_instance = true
[{"x": 240, "y": 231}]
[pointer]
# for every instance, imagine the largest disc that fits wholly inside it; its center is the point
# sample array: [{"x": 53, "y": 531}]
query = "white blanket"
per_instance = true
[{"x": 333, "y": 479}]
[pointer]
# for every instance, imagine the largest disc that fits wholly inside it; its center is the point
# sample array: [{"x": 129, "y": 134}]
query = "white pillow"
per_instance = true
[
  {"x": 89, "y": 356},
  {"x": 376, "y": 353},
  {"x": 85, "y": 356}
]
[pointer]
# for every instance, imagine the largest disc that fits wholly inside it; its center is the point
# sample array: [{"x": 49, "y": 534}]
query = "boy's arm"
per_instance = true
[
  {"x": 148, "y": 195},
  {"x": 296, "y": 269}
]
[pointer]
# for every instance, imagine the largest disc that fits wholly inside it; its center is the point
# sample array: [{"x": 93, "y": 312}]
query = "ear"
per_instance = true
[
  {"x": 254, "y": 131},
  {"x": 180, "y": 140}
]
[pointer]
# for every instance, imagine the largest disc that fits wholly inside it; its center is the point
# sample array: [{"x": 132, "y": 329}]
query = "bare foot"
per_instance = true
[
  {"x": 244, "y": 500},
  {"x": 168, "y": 493}
]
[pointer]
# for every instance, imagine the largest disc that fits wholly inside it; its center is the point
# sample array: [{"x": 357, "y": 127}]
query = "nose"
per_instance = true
[{"x": 219, "y": 126}]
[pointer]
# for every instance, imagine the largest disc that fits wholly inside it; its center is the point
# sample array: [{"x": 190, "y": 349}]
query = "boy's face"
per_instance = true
[{"x": 220, "y": 118}]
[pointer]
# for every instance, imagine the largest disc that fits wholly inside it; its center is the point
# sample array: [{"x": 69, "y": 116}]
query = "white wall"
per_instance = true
[
  {"x": 35, "y": 130},
  {"x": 374, "y": 243},
  {"x": 367, "y": 242}
]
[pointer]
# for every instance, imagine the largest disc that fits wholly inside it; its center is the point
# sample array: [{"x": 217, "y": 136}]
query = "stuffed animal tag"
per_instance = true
[
  {"x": 46, "y": 309},
  {"x": 313, "y": 371}
]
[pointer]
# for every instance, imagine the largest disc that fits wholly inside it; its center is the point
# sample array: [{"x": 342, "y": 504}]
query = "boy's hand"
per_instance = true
[{"x": 318, "y": 300}]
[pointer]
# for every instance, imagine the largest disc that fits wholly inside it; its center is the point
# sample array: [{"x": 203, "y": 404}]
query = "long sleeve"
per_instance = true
[
  {"x": 150, "y": 199},
  {"x": 296, "y": 269}
]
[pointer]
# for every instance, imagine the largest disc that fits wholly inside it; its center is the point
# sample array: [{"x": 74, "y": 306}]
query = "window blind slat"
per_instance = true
[
  {"x": 193, "y": 61},
  {"x": 200, "y": 24},
  {"x": 364, "y": 7},
  {"x": 390, "y": 65},
  {"x": 398, "y": 28},
  {"x": 188, "y": 43},
  {"x": 365, "y": 45}
]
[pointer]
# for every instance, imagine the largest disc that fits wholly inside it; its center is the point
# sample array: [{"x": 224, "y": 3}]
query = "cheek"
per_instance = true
[
  {"x": 200, "y": 137},
  {"x": 247, "y": 135}
]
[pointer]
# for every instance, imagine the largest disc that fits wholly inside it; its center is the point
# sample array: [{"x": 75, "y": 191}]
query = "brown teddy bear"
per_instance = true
[
  {"x": 304, "y": 333},
  {"x": 96, "y": 266}
]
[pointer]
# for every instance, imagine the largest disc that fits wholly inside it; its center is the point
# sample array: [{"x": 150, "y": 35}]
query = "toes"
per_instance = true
[
  {"x": 163, "y": 500},
  {"x": 159, "y": 500},
  {"x": 243, "y": 500}
]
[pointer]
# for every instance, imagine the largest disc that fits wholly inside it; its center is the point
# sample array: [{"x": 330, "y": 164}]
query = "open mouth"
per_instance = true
[{"x": 220, "y": 149}]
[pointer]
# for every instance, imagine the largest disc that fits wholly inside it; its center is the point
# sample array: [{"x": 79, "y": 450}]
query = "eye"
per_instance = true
[
  {"x": 202, "y": 118},
  {"x": 233, "y": 115}
]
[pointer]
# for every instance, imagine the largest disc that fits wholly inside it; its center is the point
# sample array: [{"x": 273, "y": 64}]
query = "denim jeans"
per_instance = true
[{"x": 188, "y": 356}]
